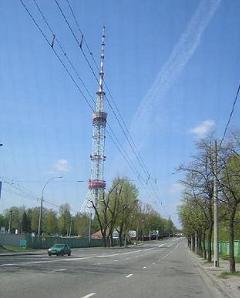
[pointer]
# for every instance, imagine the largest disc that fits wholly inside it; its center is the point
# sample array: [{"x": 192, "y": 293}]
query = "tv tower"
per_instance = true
[{"x": 97, "y": 183}]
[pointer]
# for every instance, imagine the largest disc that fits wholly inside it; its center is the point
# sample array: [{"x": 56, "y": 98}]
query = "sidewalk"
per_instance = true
[{"x": 228, "y": 285}]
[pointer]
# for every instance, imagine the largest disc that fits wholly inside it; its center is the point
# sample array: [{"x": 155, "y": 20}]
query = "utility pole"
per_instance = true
[
  {"x": 89, "y": 229},
  {"x": 70, "y": 229},
  {"x": 10, "y": 221},
  {"x": 215, "y": 210},
  {"x": 41, "y": 206}
]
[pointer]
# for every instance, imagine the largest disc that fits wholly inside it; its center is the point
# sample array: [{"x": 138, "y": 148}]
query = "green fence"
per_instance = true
[
  {"x": 224, "y": 248},
  {"x": 73, "y": 242}
]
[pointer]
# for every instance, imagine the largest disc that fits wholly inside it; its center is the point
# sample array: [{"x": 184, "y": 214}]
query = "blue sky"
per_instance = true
[{"x": 172, "y": 68}]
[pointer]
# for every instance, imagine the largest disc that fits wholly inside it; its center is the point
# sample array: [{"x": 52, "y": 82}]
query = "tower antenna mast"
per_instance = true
[{"x": 97, "y": 183}]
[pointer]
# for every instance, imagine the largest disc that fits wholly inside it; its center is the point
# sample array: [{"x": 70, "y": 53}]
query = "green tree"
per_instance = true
[
  {"x": 81, "y": 224},
  {"x": 26, "y": 223},
  {"x": 51, "y": 222},
  {"x": 64, "y": 220},
  {"x": 34, "y": 219}
]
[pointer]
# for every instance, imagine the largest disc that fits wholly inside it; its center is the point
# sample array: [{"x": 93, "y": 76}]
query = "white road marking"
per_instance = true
[
  {"x": 89, "y": 295},
  {"x": 164, "y": 257},
  {"x": 129, "y": 275},
  {"x": 161, "y": 245},
  {"x": 42, "y": 262},
  {"x": 107, "y": 256},
  {"x": 116, "y": 260},
  {"x": 59, "y": 270},
  {"x": 144, "y": 267}
]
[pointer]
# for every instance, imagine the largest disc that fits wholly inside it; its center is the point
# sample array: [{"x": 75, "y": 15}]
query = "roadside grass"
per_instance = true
[
  {"x": 226, "y": 275},
  {"x": 10, "y": 248},
  {"x": 2, "y": 249}
]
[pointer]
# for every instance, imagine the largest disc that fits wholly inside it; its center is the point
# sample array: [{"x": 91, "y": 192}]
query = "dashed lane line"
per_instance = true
[
  {"x": 75, "y": 259},
  {"x": 129, "y": 275},
  {"x": 161, "y": 244},
  {"x": 89, "y": 295},
  {"x": 60, "y": 270}
]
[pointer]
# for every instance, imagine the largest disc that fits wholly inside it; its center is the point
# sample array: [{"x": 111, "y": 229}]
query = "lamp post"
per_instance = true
[{"x": 41, "y": 206}]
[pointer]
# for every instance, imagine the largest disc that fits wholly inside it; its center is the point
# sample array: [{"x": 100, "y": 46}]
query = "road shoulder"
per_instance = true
[{"x": 228, "y": 287}]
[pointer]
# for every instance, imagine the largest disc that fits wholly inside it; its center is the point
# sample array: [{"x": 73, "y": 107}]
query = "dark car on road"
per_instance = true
[{"x": 59, "y": 250}]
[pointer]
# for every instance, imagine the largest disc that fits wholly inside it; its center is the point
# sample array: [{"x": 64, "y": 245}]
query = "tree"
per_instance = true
[
  {"x": 228, "y": 177},
  {"x": 14, "y": 215},
  {"x": 64, "y": 221},
  {"x": 81, "y": 224},
  {"x": 127, "y": 207},
  {"x": 34, "y": 219},
  {"x": 26, "y": 223},
  {"x": 198, "y": 184},
  {"x": 51, "y": 222},
  {"x": 3, "y": 221},
  {"x": 115, "y": 209}
]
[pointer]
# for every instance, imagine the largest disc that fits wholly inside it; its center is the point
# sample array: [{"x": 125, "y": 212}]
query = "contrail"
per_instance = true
[{"x": 189, "y": 40}]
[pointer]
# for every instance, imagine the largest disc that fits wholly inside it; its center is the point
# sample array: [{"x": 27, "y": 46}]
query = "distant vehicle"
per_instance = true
[{"x": 59, "y": 250}]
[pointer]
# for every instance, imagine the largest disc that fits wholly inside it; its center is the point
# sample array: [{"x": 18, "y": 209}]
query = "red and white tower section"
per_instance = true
[{"x": 97, "y": 183}]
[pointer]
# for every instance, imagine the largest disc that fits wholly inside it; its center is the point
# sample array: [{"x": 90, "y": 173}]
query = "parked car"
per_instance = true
[{"x": 59, "y": 250}]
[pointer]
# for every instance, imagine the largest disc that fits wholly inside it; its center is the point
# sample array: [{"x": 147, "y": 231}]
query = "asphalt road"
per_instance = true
[{"x": 156, "y": 269}]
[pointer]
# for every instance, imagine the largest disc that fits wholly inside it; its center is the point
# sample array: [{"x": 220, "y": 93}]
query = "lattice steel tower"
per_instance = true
[{"x": 97, "y": 183}]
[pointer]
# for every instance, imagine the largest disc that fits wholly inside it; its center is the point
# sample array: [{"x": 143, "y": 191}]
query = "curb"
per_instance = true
[
  {"x": 22, "y": 254},
  {"x": 219, "y": 284}
]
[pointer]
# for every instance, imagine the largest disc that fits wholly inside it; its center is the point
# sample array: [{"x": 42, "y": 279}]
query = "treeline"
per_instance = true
[
  {"x": 119, "y": 210},
  {"x": 221, "y": 164}
]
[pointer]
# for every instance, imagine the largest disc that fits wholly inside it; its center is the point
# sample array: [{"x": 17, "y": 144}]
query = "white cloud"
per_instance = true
[
  {"x": 175, "y": 188},
  {"x": 184, "y": 49},
  {"x": 203, "y": 129},
  {"x": 61, "y": 165}
]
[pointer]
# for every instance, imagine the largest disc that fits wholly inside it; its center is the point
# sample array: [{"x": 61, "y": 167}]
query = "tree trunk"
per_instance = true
[
  {"x": 196, "y": 242},
  {"x": 232, "y": 266},
  {"x": 200, "y": 244},
  {"x": 209, "y": 242},
  {"x": 192, "y": 243},
  {"x": 204, "y": 245}
]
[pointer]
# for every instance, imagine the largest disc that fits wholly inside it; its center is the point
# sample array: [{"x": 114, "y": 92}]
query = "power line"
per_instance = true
[
  {"x": 130, "y": 141},
  {"x": 56, "y": 54},
  {"x": 110, "y": 94},
  {"x": 59, "y": 58},
  {"x": 113, "y": 136},
  {"x": 231, "y": 114},
  {"x": 61, "y": 61}
]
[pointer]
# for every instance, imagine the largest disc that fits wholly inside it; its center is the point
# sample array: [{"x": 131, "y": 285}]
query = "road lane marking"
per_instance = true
[
  {"x": 89, "y": 295},
  {"x": 115, "y": 260},
  {"x": 129, "y": 275},
  {"x": 43, "y": 262},
  {"x": 75, "y": 259},
  {"x": 164, "y": 257},
  {"x": 144, "y": 267},
  {"x": 107, "y": 256},
  {"x": 59, "y": 270},
  {"x": 161, "y": 245}
]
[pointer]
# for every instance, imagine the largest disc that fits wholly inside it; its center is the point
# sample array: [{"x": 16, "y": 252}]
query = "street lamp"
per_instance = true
[{"x": 41, "y": 207}]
